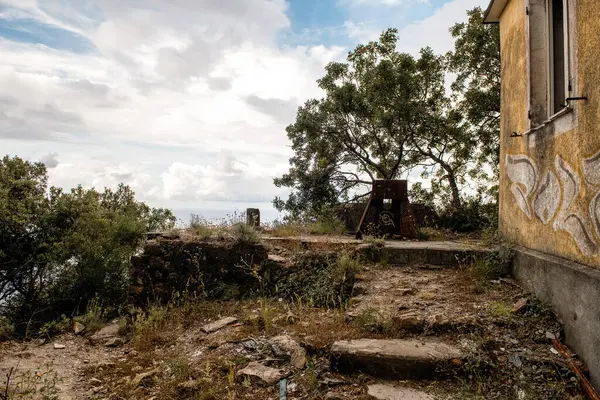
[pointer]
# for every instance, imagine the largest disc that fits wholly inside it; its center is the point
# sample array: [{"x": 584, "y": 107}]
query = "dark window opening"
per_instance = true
[{"x": 558, "y": 57}]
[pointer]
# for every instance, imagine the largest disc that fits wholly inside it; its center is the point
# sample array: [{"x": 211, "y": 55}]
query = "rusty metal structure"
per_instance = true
[{"x": 388, "y": 211}]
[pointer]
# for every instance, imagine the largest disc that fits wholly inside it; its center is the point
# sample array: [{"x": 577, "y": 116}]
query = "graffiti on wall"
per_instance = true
[{"x": 550, "y": 196}]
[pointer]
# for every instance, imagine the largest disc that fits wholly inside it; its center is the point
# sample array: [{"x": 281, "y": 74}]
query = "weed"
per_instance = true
[
  {"x": 55, "y": 327},
  {"x": 492, "y": 265},
  {"x": 94, "y": 316},
  {"x": 374, "y": 241},
  {"x": 266, "y": 316},
  {"x": 500, "y": 310},
  {"x": 244, "y": 233},
  {"x": 287, "y": 229},
  {"x": 6, "y": 329},
  {"x": 42, "y": 384},
  {"x": 200, "y": 226},
  {"x": 180, "y": 368},
  {"x": 321, "y": 280},
  {"x": 148, "y": 327}
]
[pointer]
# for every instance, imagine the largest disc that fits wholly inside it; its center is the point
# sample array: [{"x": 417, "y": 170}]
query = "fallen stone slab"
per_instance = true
[
  {"x": 296, "y": 352},
  {"x": 217, "y": 325},
  {"x": 145, "y": 378},
  {"x": 266, "y": 375},
  {"x": 109, "y": 331},
  {"x": 390, "y": 392},
  {"x": 395, "y": 358}
]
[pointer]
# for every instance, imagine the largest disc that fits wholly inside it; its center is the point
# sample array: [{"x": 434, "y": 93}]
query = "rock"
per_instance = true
[
  {"x": 360, "y": 288},
  {"x": 109, "y": 331},
  {"x": 394, "y": 359},
  {"x": 137, "y": 368},
  {"x": 95, "y": 382},
  {"x": 189, "y": 386},
  {"x": 410, "y": 321},
  {"x": 276, "y": 258},
  {"x": 114, "y": 342},
  {"x": 335, "y": 396},
  {"x": 266, "y": 375},
  {"x": 288, "y": 318},
  {"x": 389, "y": 392},
  {"x": 217, "y": 325},
  {"x": 331, "y": 382},
  {"x": 405, "y": 291},
  {"x": 78, "y": 327},
  {"x": 58, "y": 346},
  {"x": 144, "y": 378},
  {"x": 520, "y": 305},
  {"x": 296, "y": 352}
]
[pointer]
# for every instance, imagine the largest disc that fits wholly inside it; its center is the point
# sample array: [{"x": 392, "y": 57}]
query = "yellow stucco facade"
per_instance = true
[{"x": 550, "y": 174}]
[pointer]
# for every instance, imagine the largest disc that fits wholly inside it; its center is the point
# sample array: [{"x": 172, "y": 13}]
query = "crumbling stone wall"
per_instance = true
[{"x": 205, "y": 267}]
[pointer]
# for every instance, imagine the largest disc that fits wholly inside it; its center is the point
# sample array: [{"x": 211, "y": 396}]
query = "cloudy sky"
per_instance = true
[{"x": 184, "y": 100}]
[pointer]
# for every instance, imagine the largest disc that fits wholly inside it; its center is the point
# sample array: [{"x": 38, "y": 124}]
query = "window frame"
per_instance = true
[{"x": 542, "y": 122}]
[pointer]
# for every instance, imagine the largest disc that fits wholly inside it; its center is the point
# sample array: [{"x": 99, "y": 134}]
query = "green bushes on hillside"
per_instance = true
[{"x": 59, "y": 250}]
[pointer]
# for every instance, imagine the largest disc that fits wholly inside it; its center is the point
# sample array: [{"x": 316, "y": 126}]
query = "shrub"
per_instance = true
[
  {"x": 493, "y": 265},
  {"x": 199, "y": 226},
  {"x": 320, "y": 280},
  {"x": 244, "y": 233},
  {"x": 59, "y": 250}
]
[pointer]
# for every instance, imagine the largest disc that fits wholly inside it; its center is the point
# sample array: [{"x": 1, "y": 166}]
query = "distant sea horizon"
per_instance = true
[{"x": 183, "y": 215}]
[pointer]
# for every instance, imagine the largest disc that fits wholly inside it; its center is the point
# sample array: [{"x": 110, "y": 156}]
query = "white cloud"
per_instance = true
[
  {"x": 184, "y": 100},
  {"x": 432, "y": 31},
  {"x": 202, "y": 77}
]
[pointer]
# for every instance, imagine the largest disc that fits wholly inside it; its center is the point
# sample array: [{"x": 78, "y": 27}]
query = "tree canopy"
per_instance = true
[
  {"x": 385, "y": 113},
  {"x": 58, "y": 250}
]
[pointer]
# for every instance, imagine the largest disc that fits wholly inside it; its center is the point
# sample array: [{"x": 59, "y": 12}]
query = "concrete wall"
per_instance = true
[
  {"x": 573, "y": 289},
  {"x": 550, "y": 176}
]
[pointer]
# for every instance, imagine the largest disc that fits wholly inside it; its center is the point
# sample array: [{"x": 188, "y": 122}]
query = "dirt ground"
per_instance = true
[{"x": 166, "y": 354}]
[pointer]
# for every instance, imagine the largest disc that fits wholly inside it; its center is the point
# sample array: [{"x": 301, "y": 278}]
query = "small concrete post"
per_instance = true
[{"x": 253, "y": 217}]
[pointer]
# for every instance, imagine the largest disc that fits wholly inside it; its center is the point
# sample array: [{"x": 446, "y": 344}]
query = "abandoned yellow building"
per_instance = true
[{"x": 550, "y": 157}]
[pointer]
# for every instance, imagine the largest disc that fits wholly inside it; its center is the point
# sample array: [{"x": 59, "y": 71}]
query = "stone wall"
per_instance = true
[{"x": 202, "y": 267}]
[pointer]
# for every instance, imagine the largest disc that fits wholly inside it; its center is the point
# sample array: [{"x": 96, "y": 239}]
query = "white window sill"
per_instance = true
[{"x": 558, "y": 115}]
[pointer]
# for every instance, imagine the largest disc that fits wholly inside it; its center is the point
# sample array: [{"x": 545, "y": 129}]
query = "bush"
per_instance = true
[
  {"x": 474, "y": 216},
  {"x": 320, "y": 280},
  {"x": 59, "y": 250},
  {"x": 244, "y": 233},
  {"x": 493, "y": 265}
]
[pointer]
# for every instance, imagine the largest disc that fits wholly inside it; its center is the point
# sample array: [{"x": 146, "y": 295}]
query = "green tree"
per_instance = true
[
  {"x": 375, "y": 104},
  {"x": 476, "y": 61},
  {"x": 58, "y": 250}
]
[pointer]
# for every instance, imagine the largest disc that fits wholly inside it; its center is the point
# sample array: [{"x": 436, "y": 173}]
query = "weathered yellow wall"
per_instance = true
[{"x": 550, "y": 191}]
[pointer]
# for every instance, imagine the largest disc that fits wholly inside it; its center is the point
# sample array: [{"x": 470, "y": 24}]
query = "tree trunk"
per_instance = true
[{"x": 456, "y": 202}]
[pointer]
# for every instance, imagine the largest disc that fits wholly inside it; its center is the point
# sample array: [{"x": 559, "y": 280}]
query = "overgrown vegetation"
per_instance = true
[
  {"x": 385, "y": 113},
  {"x": 491, "y": 266},
  {"x": 59, "y": 250}
]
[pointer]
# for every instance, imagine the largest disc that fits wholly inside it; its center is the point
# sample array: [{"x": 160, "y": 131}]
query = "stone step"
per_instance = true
[
  {"x": 395, "y": 358},
  {"x": 392, "y": 392}
]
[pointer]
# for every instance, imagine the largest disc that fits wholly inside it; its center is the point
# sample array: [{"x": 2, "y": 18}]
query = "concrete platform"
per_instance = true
[
  {"x": 394, "y": 358},
  {"x": 443, "y": 253}
]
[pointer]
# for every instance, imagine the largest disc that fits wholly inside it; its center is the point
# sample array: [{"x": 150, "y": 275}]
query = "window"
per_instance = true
[
  {"x": 558, "y": 57},
  {"x": 551, "y": 69}
]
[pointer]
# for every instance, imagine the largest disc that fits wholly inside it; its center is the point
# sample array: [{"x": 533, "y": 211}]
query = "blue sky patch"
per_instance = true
[{"x": 33, "y": 31}]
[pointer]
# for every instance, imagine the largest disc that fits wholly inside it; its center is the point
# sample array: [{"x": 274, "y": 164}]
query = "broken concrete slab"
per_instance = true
[
  {"x": 109, "y": 331},
  {"x": 296, "y": 352},
  {"x": 266, "y": 375},
  {"x": 276, "y": 258},
  {"x": 114, "y": 342},
  {"x": 390, "y": 392},
  {"x": 217, "y": 325},
  {"x": 395, "y": 358}
]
